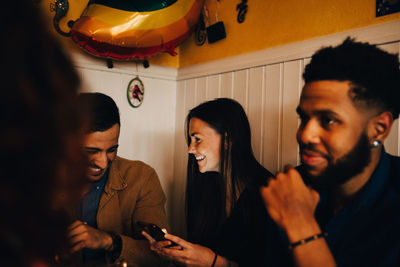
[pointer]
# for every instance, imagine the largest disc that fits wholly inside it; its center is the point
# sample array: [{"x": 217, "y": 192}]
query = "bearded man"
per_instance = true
[{"x": 341, "y": 206}]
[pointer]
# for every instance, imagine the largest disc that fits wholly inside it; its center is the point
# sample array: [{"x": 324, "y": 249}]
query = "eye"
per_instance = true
[
  {"x": 91, "y": 152},
  {"x": 303, "y": 119},
  {"x": 327, "y": 121},
  {"x": 195, "y": 139},
  {"x": 112, "y": 149}
]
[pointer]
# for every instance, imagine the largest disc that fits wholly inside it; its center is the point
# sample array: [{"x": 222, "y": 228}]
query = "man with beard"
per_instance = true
[
  {"x": 119, "y": 193},
  {"x": 341, "y": 206}
]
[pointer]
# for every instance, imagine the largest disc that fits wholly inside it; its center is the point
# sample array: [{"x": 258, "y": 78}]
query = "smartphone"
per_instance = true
[{"x": 155, "y": 232}]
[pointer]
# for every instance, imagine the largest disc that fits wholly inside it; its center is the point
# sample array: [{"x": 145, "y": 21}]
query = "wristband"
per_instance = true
[
  {"x": 117, "y": 246},
  {"x": 306, "y": 240},
  {"x": 214, "y": 260}
]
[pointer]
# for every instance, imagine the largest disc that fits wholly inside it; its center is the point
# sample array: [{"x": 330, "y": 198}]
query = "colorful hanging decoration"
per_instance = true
[{"x": 128, "y": 30}]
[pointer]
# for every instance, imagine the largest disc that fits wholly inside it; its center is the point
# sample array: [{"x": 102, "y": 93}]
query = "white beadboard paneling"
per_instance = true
[
  {"x": 212, "y": 87},
  {"x": 392, "y": 141},
  {"x": 191, "y": 89},
  {"x": 226, "y": 85},
  {"x": 271, "y": 147},
  {"x": 240, "y": 87},
  {"x": 255, "y": 109},
  {"x": 176, "y": 200},
  {"x": 291, "y": 93},
  {"x": 201, "y": 90}
]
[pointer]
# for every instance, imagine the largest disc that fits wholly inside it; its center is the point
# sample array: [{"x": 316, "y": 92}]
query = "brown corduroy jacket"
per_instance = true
[{"x": 132, "y": 193}]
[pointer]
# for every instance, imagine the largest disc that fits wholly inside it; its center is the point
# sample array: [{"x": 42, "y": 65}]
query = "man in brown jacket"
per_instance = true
[{"x": 119, "y": 193}]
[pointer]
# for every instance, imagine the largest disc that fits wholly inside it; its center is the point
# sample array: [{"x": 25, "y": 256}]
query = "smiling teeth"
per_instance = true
[{"x": 200, "y": 158}]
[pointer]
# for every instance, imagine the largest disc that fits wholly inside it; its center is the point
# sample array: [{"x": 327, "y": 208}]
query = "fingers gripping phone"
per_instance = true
[{"x": 155, "y": 232}]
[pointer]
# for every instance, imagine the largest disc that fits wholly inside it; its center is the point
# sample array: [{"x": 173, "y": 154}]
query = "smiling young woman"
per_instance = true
[{"x": 223, "y": 206}]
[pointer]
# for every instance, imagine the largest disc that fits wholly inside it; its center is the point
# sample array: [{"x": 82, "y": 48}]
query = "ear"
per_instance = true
[{"x": 380, "y": 126}]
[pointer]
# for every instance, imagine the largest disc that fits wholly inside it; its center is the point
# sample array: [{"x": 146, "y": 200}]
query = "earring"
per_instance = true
[{"x": 376, "y": 143}]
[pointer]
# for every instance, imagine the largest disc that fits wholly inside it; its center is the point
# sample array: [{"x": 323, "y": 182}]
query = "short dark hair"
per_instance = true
[
  {"x": 374, "y": 73},
  {"x": 102, "y": 110}
]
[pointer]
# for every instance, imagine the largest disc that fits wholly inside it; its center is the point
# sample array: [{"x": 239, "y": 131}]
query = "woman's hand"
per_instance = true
[
  {"x": 186, "y": 252},
  {"x": 156, "y": 246}
]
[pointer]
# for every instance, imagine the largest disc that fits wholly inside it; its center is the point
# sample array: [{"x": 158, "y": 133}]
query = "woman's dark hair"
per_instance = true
[
  {"x": 206, "y": 193},
  {"x": 374, "y": 73},
  {"x": 42, "y": 163},
  {"x": 102, "y": 111}
]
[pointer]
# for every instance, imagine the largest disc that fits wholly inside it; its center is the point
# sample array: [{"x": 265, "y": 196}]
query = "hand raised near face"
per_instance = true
[
  {"x": 291, "y": 204},
  {"x": 81, "y": 236}
]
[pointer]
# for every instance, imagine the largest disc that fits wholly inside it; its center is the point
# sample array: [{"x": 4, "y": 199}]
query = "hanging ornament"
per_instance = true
[
  {"x": 242, "y": 10},
  {"x": 135, "y": 92}
]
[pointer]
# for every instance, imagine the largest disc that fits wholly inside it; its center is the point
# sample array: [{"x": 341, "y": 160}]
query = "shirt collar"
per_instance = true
[{"x": 371, "y": 190}]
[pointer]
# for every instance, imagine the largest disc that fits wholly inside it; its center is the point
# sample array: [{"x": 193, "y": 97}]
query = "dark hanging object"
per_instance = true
[
  {"x": 61, "y": 8},
  {"x": 386, "y": 7},
  {"x": 200, "y": 32},
  {"x": 146, "y": 63},
  {"x": 110, "y": 64},
  {"x": 242, "y": 8},
  {"x": 216, "y": 32}
]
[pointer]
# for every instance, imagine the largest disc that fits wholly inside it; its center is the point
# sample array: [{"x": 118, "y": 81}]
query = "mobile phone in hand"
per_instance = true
[{"x": 155, "y": 232}]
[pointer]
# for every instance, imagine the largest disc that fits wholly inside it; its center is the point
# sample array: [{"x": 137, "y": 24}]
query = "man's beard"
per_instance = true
[{"x": 344, "y": 169}]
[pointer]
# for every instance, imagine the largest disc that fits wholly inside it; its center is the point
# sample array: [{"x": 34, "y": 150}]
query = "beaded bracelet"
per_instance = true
[{"x": 306, "y": 240}]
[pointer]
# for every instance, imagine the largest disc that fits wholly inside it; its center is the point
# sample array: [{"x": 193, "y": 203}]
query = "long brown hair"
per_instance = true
[{"x": 210, "y": 196}]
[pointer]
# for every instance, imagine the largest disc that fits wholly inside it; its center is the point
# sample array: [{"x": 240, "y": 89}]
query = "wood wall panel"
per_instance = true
[
  {"x": 201, "y": 88},
  {"x": 240, "y": 87},
  {"x": 291, "y": 93},
  {"x": 176, "y": 198},
  {"x": 212, "y": 87},
  {"x": 392, "y": 142},
  {"x": 271, "y": 147},
  {"x": 226, "y": 85},
  {"x": 255, "y": 109}
]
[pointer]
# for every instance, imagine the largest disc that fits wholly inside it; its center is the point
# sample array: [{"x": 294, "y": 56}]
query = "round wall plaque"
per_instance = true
[{"x": 135, "y": 92}]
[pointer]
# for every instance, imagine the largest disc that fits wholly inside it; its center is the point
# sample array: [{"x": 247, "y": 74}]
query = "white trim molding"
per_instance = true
[{"x": 382, "y": 33}]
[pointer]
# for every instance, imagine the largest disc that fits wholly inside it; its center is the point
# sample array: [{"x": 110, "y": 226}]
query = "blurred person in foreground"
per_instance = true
[
  {"x": 119, "y": 193},
  {"x": 42, "y": 164},
  {"x": 341, "y": 206}
]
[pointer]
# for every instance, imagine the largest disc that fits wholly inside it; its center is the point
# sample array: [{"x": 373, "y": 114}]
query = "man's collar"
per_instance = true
[
  {"x": 115, "y": 180},
  {"x": 371, "y": 190}
]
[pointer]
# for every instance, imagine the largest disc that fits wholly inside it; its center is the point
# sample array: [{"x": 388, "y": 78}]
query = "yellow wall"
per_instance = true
[
  {"x": 269, "y": 23},
  {"x": 272, "y": 23}
]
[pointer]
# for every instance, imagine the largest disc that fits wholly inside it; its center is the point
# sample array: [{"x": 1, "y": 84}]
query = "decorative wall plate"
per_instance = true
[{"x": 135, "y": 92}]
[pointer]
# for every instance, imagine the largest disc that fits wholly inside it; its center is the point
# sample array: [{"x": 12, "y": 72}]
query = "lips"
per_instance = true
[
  {"x": 199, "y": 158},
  {"x": 312, "y": 158},
  {"x": 95, "y": 171}
]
